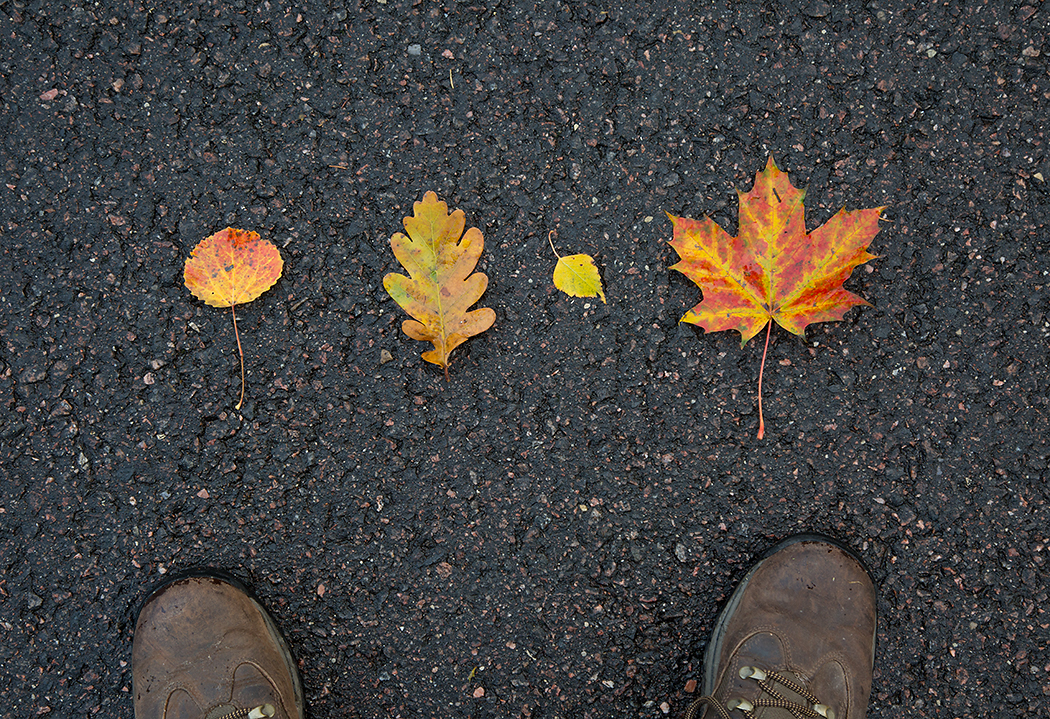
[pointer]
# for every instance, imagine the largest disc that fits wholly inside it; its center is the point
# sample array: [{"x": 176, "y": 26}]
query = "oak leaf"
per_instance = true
[
  {"x": 773, "y": 270},
  {"x": 230, "y": 268},
  {"x": 440, "y": 288},
  {"x": 577, "y": 275}
]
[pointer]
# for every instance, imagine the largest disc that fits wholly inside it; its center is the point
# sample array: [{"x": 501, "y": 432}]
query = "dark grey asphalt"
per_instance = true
[{"x": 551, "y": 532}]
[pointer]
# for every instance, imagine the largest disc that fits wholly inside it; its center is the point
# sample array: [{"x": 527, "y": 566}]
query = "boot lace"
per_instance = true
[
  {"x": 772, "y": 698},
  {"x": 260, "y": 712}
]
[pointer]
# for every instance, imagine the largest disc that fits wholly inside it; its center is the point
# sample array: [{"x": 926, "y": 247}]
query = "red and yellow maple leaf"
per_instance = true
[
  {"x": 230, "y": 268},
  {"x": 773, "y": 270}
]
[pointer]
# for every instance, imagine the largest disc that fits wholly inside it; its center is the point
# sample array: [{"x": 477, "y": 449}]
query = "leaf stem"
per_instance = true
[
  {"x": 761, "y": 420},
  {"x": 552, "y": 244},
  {"x": 241, "y": 353}
]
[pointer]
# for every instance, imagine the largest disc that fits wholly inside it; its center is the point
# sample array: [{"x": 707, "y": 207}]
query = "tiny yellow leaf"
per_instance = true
[{"x": 577, "y": 276}]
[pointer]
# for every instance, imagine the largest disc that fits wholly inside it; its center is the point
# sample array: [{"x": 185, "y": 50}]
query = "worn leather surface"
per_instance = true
[
  {"x": 809, "y": 612},
  {"x": 202, "y": 648}
]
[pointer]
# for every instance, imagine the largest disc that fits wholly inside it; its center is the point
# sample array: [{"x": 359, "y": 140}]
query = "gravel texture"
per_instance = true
[{"x": 551, "y": 532}]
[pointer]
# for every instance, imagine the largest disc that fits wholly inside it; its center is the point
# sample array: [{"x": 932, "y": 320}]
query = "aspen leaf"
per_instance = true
[
  {"x": 773, "y": 270},
  {"x": 440, "y": 288},
  {"x": 230, "y": 268},
  {"x": 576, "y": 275}
]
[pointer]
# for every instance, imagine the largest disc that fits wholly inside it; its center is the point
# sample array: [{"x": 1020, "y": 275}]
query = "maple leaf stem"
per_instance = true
[
  {"x": 241, "y": 353},
  {"x": 762, "y": 367}
]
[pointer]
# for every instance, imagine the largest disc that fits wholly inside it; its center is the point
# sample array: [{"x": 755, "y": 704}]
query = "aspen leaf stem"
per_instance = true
[
  {"x": 241, "y": 353},
  {"x": 761, "y": 421}
]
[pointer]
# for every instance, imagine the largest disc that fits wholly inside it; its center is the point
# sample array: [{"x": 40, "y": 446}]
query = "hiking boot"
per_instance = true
[
  {"x": 797, "y": 638},
  {"x": 204, "y": 649}
]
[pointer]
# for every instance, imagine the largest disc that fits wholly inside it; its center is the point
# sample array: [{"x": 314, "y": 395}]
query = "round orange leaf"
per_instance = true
[{"x": 232, "y": 267}]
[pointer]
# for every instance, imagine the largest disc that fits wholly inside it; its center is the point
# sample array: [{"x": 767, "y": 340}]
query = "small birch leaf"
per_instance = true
[{"x": 577, "y": 275}]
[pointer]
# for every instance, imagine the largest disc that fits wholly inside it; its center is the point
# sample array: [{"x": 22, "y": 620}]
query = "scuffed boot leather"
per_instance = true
[
  {"x": 204, "y": 649},
  {"x": 797, "y": 638}
]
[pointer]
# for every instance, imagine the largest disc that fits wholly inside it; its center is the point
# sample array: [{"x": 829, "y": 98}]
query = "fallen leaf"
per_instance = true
[
  {"x": 230, "y": 268},
  {"x": 440, "y": 288},
  {"x": 576, "y": 275},
  {"x": 773, "y": 270}
]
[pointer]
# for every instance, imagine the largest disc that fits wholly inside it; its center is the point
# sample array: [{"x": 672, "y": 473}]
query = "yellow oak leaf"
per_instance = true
[{"x": 440, "y": 288}]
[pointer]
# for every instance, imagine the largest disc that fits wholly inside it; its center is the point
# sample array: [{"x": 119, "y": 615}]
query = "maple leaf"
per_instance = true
[
  {"x": 576, "y": 275},
  {"x": 440, "y": 288},
  {"x": 773, "y": 270},
  {"x": 230, "y": 268}
]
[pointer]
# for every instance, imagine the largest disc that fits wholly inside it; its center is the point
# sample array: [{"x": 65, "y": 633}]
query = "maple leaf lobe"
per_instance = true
[{"x": 773, "y": 269}]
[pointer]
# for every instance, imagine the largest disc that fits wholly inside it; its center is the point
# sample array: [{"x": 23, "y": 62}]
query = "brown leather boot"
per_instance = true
[
  {"x": 204, "y": 649},
  {"x": 797, "y": 638}
]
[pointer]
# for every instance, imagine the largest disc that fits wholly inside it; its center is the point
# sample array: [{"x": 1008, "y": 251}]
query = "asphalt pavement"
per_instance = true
[{"x": 551, "y": 532}]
